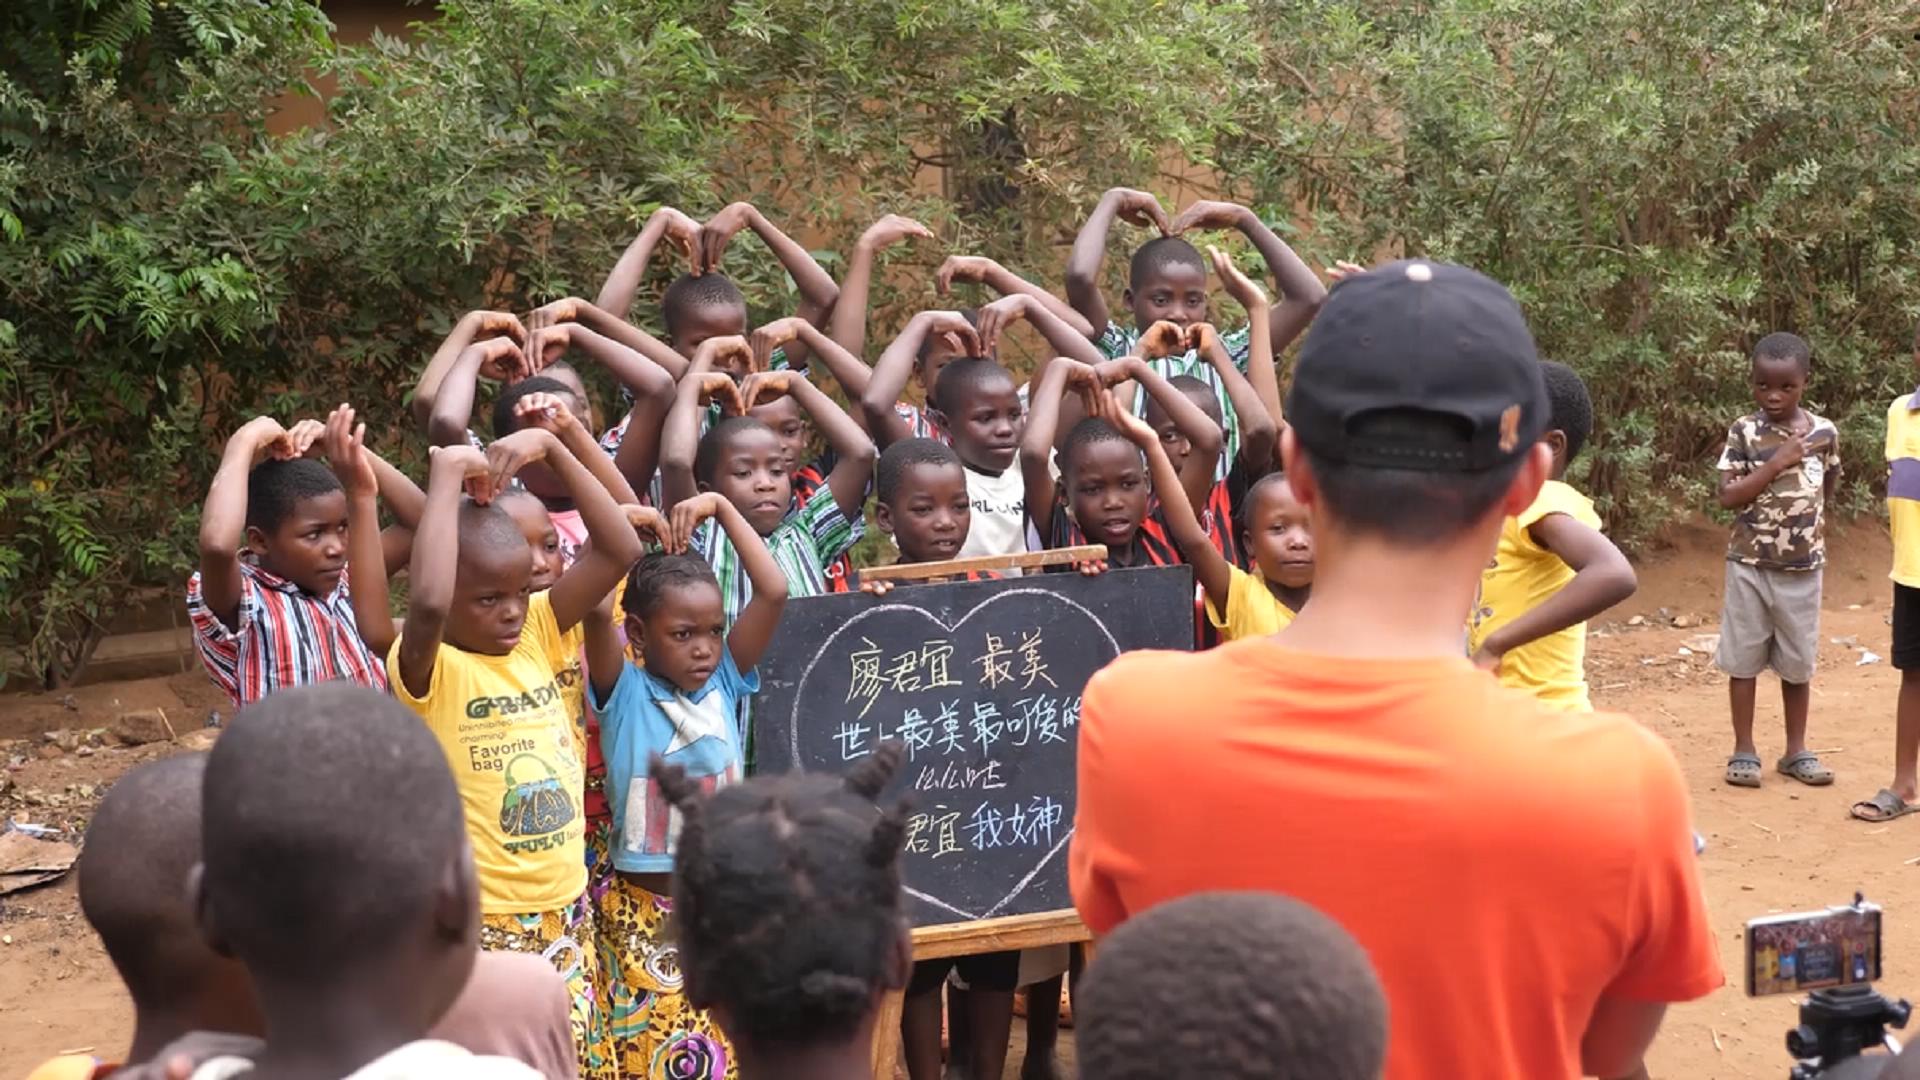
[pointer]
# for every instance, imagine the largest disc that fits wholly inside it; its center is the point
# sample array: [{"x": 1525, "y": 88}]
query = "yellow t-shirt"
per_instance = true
[
  {"x": 505, "y": 726},
  {"x": 1903, "y": 489},
  {"x": 1522, "y": 576},
  {"x": 1252, "y": 609}
]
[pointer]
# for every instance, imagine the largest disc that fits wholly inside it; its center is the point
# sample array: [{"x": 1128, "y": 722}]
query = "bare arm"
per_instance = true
[
  {"x": 818, "y": 293},
  {"x": 1090, "y": 250},
  {"x": 548, "y": 413},
  {"x": 1196, "y": 478},
  {"x": 473, "y": 325},
  {"x": 1210, "y": 568},
  {"x": 840, "y": 362},
  {"x": 896, "y": 366},
  {"x": 1618, "y": 1035},
  {"x": 346, "y": 453},
  {"x": 430, "y": 575},
  {"x": 1064, "y": 339},
  {"x": 496, "y": 358},
  {"x": 614, "y": 545},
  {"x": 606, "y": 654},
  {"x": 1301, "y": 293},
  {"x": 853, "y": 451},
  {"x": 1262, "y": 370},
  {"x": 680, "y": 434},
  {"x": 405, "y": 501},
  {"x": 753, "y": 628},
  {"x": 223, "y": 519},
  {"x": 1736, "y": 492},
  {"x": 616, "y": 296},
  {"x": 1602, "y": 578},
  {"x": 614, "y": 341},
  {"x": 1007, "y": 283},
  {"x": 1259, "y": 435},
  {"x": 849, "y": 325},
  {"x": 1036, "y": 442}
]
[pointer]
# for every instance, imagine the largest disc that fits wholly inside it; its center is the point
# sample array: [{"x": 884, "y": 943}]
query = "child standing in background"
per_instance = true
[
  {"x": 1902, "y": 797},
  {"x": 1780, "y": 465},
  {"x": 1552, "y": 571}
]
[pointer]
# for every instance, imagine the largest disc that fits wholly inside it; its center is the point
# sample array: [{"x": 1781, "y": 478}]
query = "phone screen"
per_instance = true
[{"x": 1808, "y": 950}]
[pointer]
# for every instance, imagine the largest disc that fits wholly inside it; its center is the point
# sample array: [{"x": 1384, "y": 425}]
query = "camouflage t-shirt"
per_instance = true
[{"x": 1785, "y": 528}]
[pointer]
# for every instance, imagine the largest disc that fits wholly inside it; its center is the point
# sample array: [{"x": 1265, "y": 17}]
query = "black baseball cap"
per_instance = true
[{"x": 1419, "y": 337}]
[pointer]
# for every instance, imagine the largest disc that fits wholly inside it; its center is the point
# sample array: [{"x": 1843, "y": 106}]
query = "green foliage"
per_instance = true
[{"x": 1661, "y": 184}]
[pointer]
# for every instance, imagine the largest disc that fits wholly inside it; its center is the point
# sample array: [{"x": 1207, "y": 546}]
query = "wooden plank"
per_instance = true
[
  {"x": 996, "y": 935},
  {"x": 1026, "y": 560},
  {"x": 886, "y": 1035}
]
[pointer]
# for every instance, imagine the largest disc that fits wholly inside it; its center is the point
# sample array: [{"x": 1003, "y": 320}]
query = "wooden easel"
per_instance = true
[{"x": 1012, "y": 932}]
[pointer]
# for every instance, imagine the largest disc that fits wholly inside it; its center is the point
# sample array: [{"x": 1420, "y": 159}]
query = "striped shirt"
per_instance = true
[
  {"x": 1125, "y": 341},
  {"x": 285, "y": 637},
  {"x": 804, "y": 544},
  {"x": 810, "y": 482}
]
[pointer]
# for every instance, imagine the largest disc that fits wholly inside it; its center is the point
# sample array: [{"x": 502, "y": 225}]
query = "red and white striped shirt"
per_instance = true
[{"x": 285, "y": 637}]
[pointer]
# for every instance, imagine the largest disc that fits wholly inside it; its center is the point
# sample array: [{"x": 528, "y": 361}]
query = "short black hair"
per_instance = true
[
  {"x": 687, "y": 292},
  {"x": 1084, "y": 434},
  {"x": 920, "y": 355},
  {"x": 963, "y": 378},
  {"x": 659, "y": 571},
  {"x": 1192, "y": 987},
  {"x": 1570, "y": 409},
  {"x": 275, "y": 487},
  {"x": 1160, "y": 252},
  {"x": 488, "y": 526},
  {"x": 897, "y": 459},
  {"x": 506, "y": 423},
  {"x": 1784, "y": 346},
  {"x": 142, "y": 843},
  {"x": 1411, "y": 507},
  {"x": 706, "y": 457},
  {"x": 306, "y": 874},
  {"x": 1243, "y": 507},
  {"x": 786, "y": 899},
  {"x": 1198, "y": 392}
]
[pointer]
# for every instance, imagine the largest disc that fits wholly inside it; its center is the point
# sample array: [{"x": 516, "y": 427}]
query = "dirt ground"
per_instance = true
[{"x": 1785, "y": 847}]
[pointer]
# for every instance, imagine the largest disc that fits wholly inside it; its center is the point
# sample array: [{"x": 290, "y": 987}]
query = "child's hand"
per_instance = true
[
  {"x": 481, "y": 325},
  {"x": 718, "y": 386},
  {"x": 997, "y": 316},
  {"x": 1791, "y": 453},
  {"x": 549, "y": 344},
  {"x": 1140, "y": 208},
  {"x": 688, "y": 515},
  {"x": 647, "y": 521},
  {"x": 1210, "y": 214},
  {"x": 773, "y": 335},
  {"x": 1341, "y": 270},
  {"x": 764, "y": 386},
  {"x": 682, "y": 232},
  {"x": 345, "y": 444},
  {"x": 470, "y": 465},
  {"x": 559, "y": 311},
  {"x": 1162, "y": 339},
  {"x": 260, "y": 436},
  {"x": 302, "y": 440},
  {"x": 891, "y": 230},
  {"x": 725, "y": 353},
  {"x": 718, "y": 232},
  {"x": 1242, "y": 288},
  {"x": 1204, "y": 341},
  {"x": 1116, "y": 371},
  {"x": 1108, "y": 408},
  {"x": 876, "y": 588},
  {"x": 955, "y": 325},
  {"x": 507, "y": 456},
  {"x": 546, "y": 412},
  {"x": 1488, "y": 658},
  {"x": 500, "y": 358},
  {"x": 1091, "y": 567},
  {"x": 970, "y": 268}
]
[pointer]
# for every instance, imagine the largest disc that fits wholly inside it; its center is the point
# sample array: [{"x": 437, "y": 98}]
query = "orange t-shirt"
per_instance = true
[{"x": 1502, "y": 863}]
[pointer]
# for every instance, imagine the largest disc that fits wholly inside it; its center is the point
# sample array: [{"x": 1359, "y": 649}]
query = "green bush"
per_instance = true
[{"x": 1660, "y": 183}]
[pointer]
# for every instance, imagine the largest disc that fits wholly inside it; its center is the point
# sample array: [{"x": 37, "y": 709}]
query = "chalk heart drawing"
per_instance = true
[{"x": 822, "y": 692}]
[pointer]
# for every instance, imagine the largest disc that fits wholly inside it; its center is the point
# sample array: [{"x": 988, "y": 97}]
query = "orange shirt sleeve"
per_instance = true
[
  {"x": 1673, "y": 954},
  {"x": 1101, "y": 809}
]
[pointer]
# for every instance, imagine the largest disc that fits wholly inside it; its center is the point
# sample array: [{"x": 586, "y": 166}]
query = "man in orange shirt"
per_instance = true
[{"x": 1523, "y": 879}]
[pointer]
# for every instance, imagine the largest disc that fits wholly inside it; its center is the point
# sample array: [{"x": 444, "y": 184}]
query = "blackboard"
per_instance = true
[{"x": 982, "y": 682}]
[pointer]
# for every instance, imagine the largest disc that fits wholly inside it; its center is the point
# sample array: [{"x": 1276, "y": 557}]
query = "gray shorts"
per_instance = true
[{"x": 1770, "y": 619}]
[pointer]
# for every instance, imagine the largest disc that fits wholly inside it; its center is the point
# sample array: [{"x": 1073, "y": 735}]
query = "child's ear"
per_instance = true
[
  {"x": 256, "y": 540},
  {"x": 883, "y": 517},
  {"x": 1126, "y": 297},
  {"x": 1556, "y": 441},
  {"x": 203, "y": 913},
  {"x": 456, "y": 902}
]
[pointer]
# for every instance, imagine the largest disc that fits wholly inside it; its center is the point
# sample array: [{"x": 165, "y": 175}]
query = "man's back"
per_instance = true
[{"x": 1502, "y": 864}]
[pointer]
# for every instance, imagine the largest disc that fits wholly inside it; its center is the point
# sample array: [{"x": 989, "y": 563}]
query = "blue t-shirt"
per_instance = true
[{"x": 645, "y": 715}]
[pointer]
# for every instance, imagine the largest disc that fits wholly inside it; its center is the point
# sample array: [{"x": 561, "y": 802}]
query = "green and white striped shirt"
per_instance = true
[
  {"x": 1125, "y": 341},
  {"x": 804, "y": 544}
]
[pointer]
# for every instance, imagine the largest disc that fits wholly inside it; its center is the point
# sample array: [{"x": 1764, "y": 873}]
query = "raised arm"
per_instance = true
[
  {"x": 223, "y": 519},
  {"x": 1259, "y": 435},
  {"x": 1063, "y": 338},
  {"x": 605, "y": 651},
  {"x": 616, "y": 296},
  {"x": 840, "y": 362},
  {"x": 497, "y": 358},
  {"x": 436, "y": 555},
  {"x": 619, "y": 332},
  {"x": 853, "y": 451},
  {"x": 849, "y": 325},
  {"x": 979, "y": 268},
  {"x": 1196, "y": 477},
  {"x": 890, "y": 375},
  {"x": 1090, "y": 249},
  {"x": 474, "y": 325},
  {"x": 1301, "y": 293},
  {"x": 1036, "y": 442},
  {"x": 345, "y": 443},
  {"x": 1210, "y": 568},
  {"x": 753, "y": 628},
  {"x": 1262, "y": 362},
  {"x": 548, "y": 412},
  {"x": 817, "y": 291},
  {"x": 680, "y": 434},
  {"x": 612, "y": 546}
]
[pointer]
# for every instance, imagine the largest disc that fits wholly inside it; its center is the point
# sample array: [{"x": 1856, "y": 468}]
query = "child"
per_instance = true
[
  {"x": 481, "y": 661},
  {"x": 682, "y": 709},
  {"x": 1275, "y": 534},
  {"x": 1167, "y": 281},
  {"x": 336, "y": 868},
  {"x": 921, "y": 501},
  {"x": 1780, "y": 466},
  {"x": 1552, "y": 572},
  {"x": 282, "y": 616},
  {"x": 1141, "y": 1019},
  {"x": 744, "y": 461},
  {"x": 1902, "y": 797},
  {"x": 788, "y": 903},
  {"x": 542, "y": 403},
  {"x": 502, "y": 338}
]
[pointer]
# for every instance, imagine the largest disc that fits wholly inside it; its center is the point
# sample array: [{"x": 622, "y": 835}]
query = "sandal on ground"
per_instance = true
[
  {"x": 1884, "y": 806},
  {"x": 1743, "y": 770},
  {"x": 1806, "y": 768}
]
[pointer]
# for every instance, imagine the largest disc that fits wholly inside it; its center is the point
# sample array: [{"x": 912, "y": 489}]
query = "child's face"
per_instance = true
[
  {"x": 789, "y": 425},
  {"x": 1174, "y": 292},
  {"x": 1107, "y": 491},
  {"x": 683, "y": 637},
  {"x": 309, "y": 547},
  {"x": 930, "y": 513},
  {"x": 1280, "y": 536},
  {"x": 1777, "y": 388},
  {"x": 751, "y": 473},
  {"x": 528, "y": 513},
  {"x": 986, "y": 426},
  {"x": 937, "y": 355},
  {"x": 1176, "y": 443},
  {"x": 490, "y": 590},
  {"x": 694, "y": 326}
]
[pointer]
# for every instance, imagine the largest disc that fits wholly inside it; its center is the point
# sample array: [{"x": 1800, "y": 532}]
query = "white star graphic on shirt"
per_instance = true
[{"x": 693, "y": 721}]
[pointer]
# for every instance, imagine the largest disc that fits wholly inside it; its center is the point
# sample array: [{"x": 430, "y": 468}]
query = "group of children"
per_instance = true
[{"x": 578, "y": 606}]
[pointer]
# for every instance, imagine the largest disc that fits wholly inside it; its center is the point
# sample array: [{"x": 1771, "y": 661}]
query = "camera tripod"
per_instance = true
[{"x": 1837, "y": 1023}]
